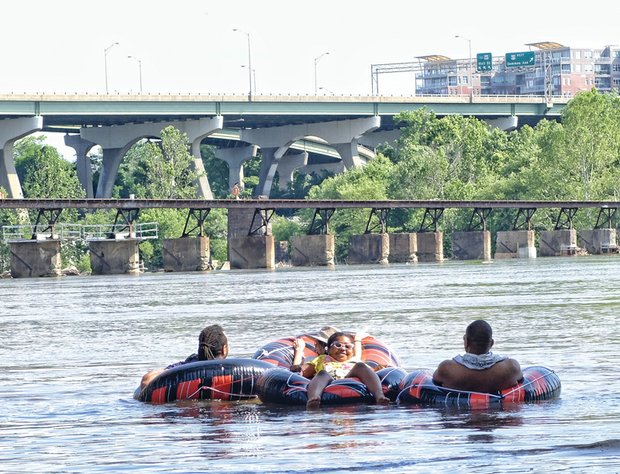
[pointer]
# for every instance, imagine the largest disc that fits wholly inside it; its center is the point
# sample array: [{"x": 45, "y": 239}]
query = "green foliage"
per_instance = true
[
  {"x": 43, "y": 172},
  {"x": 366, "y": 183},
  {"x": 284, "y": 228},
  {"x": 169, "y": 167},
  {"x": 217, "y": 172}
]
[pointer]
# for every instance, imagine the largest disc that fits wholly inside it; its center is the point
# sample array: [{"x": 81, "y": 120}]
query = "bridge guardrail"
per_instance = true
[{"x": 86, "y": 232}]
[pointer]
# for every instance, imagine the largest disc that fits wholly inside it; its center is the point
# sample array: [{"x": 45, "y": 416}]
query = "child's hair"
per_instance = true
[
  {"x": 335, "y": 336},
  {"x": 211, "y": 342}
]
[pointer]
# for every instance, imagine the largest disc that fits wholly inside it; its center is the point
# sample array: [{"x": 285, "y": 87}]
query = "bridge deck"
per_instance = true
[{"x": 291, "y": 204}]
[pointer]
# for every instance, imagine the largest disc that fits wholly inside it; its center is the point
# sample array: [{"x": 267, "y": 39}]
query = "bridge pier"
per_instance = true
[
  {"x": 369, "y": 248},
  {"x": 430, "y": 246},
  {"x": 515, "y": 244},
  {"x": 287, "y": 166},
  {"x": 114, "y": 257},
  {"x": 252, "y": 251},
  {"x": 471, "y": 245},
  {"x": 403, "y": 248},
  {"x": 599, "y": 241},
  {"x": 559, "y": 242},
  {"x": 35, "y": 258},
  {"x": 235, "y": 157},
  {"x": 187, "y": 254},
  {"x": 312, "y": 250},
  {"x": 250, "y": 244},
  {"x": 82, "y": 162},
  {"x": 12, "y": 130}
]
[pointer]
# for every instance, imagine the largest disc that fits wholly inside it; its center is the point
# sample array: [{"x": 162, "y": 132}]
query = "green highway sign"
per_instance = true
[
  {"x": 526, "y": 58},
  {"x": 484, "y": 61}
]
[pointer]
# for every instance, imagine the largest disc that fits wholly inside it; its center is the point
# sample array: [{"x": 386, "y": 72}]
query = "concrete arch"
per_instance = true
[
  {"x": 274, "y": 142},
  {"x": 12, "y": 130},
  {"x": 116, "y": 141}
]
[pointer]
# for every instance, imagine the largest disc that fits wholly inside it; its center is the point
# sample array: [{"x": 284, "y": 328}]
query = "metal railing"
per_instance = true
[{"x": 142, "y": 231}]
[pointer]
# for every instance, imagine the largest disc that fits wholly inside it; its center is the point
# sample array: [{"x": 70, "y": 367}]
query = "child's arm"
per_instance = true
[
  {"x": 357, "y": 345},
  {"x": 309, "y": 369}
]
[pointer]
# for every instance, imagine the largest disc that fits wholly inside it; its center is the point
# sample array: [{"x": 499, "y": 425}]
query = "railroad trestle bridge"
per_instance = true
[{"x": 251, "y": 244}]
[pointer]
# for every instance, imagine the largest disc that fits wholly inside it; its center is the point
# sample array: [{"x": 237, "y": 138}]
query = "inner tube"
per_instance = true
[
  {"x": 221, "y": 379},
  {"x": 539, "y": 383},
  {"x": 281, "y": 352},
  {"x": 281, "y": 386}
]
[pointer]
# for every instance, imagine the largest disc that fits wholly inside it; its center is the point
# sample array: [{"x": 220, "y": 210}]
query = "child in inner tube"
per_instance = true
[{"x": 341, "y": 361}]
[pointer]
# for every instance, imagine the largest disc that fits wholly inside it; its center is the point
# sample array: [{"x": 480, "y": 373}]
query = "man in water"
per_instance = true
[{"x": 478, "y": 370}]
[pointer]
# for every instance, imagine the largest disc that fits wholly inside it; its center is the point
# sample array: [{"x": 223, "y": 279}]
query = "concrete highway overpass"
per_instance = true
[{"x": 306, "y": 133}]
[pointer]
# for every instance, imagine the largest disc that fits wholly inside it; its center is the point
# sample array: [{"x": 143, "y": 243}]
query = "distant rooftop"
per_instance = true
[
  {"x": 434, "y": 57},
  {"x": 546, "y": 45}
]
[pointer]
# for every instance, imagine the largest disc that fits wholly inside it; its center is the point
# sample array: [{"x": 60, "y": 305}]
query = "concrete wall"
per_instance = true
[
  {"x": 113, "y": 257},
  {"x": 599, "y": 241},
  {"x": 187, "y": 254},
  {"x": 35, "y": 258},
  {"x": 515, "y": 244},
  {"x": 239, "y": 221},
  {"x": 403, "y": 248},
  {"x": 312, "y": 250},
  {"x": 555, "y": 243},
  {"x": 252, "y": 251},
  {"x": 369, "y": 248},
  {"x": 472, "y": 245},
  {"x": 430, "y": 246}
]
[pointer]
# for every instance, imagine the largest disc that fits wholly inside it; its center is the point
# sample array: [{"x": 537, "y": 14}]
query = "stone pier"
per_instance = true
[
  {"x": 515, "y": 244},
  {"x": 312, "y": 250},
  {"x": 403, "y": 248},
  {"x": 430, "y": 246},
  {"x": 248, "y": 251},
  {"x": 187, "y": 254},
  {"x": 252, "y": 251},
  {"x": 599, "y": 241},
  {"x": 472, "y": 245},
  {"x": 369, "y": 248},
  {"x": 113, "y": 257},
  {"x": 556, "y": 243},
  {"x": 35, "y": 258}
]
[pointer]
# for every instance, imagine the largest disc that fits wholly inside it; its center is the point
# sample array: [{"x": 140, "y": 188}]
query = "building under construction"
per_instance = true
[{"x": 548, "y": 69}]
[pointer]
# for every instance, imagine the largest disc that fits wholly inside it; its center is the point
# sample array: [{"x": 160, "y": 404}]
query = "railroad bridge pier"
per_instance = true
[{"x": 36, "y": 251}]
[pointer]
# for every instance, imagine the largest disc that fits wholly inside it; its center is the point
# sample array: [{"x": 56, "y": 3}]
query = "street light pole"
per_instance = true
[
  {"x": 249, "y": 57},
  {"x": 316, "y": 60},
  {"x": 105, "y": 63},
  {"x": 139, "y": 68},
  {"x": 471, "y": 67},
  {"x": 253, "y": 78}
]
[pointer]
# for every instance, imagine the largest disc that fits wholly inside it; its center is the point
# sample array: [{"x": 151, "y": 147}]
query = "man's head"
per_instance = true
[{"x": 478, "y": 338}]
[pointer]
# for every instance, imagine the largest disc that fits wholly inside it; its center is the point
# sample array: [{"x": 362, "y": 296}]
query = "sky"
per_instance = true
[{"x": 189, "y": 46}]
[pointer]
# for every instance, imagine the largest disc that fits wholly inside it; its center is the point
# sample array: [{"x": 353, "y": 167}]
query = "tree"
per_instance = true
[
  {"x": 592, "y": 146},
  {"x": 43, "y": 172},
  {"x": 169, "y": 167}
]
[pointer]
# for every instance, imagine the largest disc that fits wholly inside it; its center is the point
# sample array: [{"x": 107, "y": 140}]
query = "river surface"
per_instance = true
[{"x": 73, "y": 349}]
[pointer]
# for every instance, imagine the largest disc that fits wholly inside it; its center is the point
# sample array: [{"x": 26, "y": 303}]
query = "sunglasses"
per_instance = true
[{"x": 339, "y": 345}]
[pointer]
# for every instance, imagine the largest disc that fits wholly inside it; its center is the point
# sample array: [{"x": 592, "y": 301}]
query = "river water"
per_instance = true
[{"x": 72, "y": 351}]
